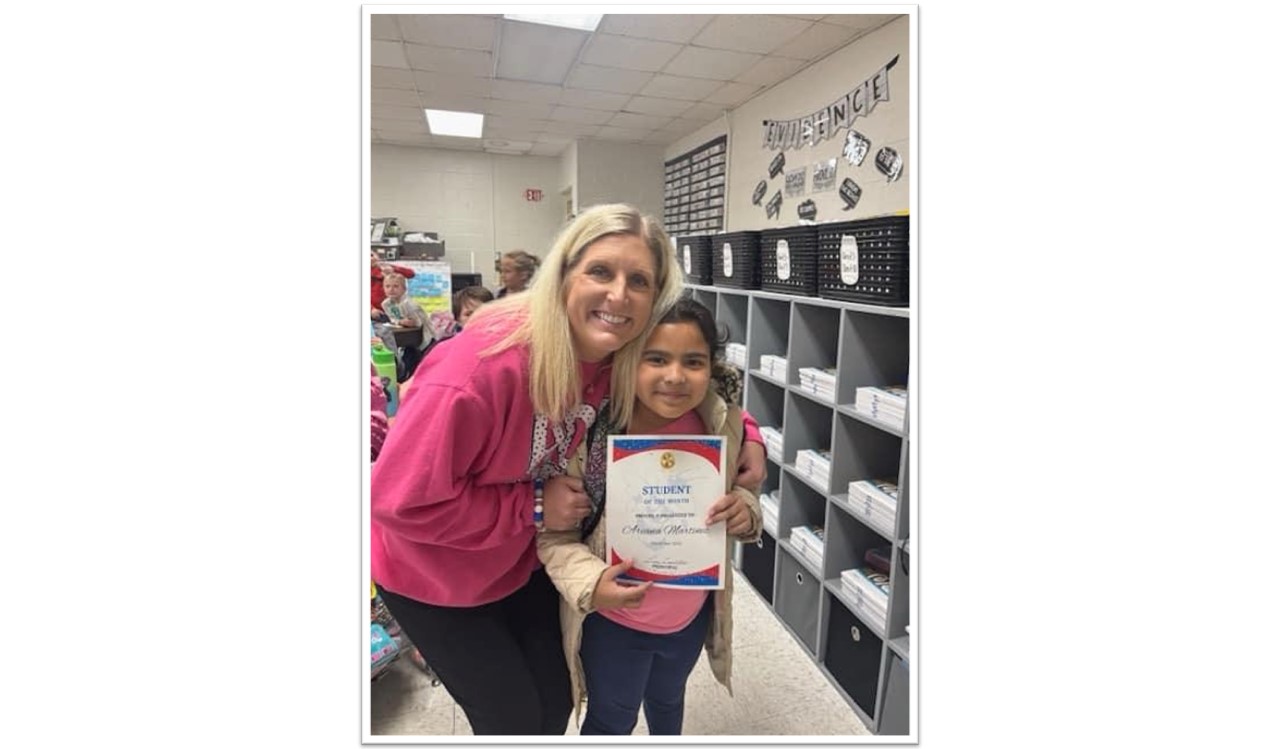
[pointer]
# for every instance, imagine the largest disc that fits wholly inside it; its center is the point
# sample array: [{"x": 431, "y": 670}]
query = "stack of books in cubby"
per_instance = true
[
  {"x": 819, "y": 381},
  {"x": 769, "y": 511},
  {"x": 736, "y": 354},
  {"x": 869, "y": 590},
  {"x": 809, "y": 541},
  {"x": 774, "y": 366},
  {"x": 887, "y": 405},
  {"x": 877, "y": 501},
  {"x": 815, "y": 465},
  {"x": 772, "y": 442}
]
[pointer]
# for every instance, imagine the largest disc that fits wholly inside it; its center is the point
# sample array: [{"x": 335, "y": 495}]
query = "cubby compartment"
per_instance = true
[
  {"x": 807, "y": 427},
  {"x": 815, "y": 336},
  {"x": 770, "y": 327},
  {"x": 895, "y": 705},
  {"x": 766, "y": 402},
  {"x": 798, "y": 596},
  {"x": 800, "y": 505},
  {"x": 706, "y": 299},
  {"x": 900, "y": 598},
  {"x": 874, "y": 350},
  {"x": 731, "y": 313},
  {"x": 852, "y": 654},
  {"x": 758, "y": 563},
  {"x": 863, "y": 451}
]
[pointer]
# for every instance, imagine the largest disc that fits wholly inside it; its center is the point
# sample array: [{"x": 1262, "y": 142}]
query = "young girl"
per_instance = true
[{"x": 635, "y": 645}]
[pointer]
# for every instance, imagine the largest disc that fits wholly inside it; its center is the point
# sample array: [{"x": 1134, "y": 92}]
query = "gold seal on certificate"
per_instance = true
[{"x": 660, "y": 490}]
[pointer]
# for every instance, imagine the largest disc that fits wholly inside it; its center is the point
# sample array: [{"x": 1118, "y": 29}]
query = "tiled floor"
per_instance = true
[{"x": 777, "y": 690}]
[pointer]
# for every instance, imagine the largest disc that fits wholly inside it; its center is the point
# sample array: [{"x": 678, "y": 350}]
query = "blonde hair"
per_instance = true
[
  {"x": 543, "y": 324},
  {"x": 393, "y": 276}
]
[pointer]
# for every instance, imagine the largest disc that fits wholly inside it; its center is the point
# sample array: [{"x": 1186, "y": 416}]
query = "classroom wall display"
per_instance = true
[
  {"x": 774, "y": 207},
  {"x": 431, "y": 286},
  {"x": 889, "y": 163},
  {"x": 694, "y": 192},
  {"x": 850, "y": 193},
  {"x": 814, "y": 128},
  {"x": 795, "y": 182},
  {"x": 808, "y": 210},
  {"x": 856, "y": 146},
  {"x": 824, "y": 175},
  {"x": 762, "y": 187}
]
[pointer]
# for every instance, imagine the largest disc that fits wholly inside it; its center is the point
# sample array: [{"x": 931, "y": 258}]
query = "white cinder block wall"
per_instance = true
[
  {"x": 474, "y": 201},
  {"x": 619, "y": 173},
  {"x": 803, "y": 94}
]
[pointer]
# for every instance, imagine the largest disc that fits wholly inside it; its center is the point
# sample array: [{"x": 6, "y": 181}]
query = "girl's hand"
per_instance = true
[
  {"x": 732, "y": 509},
  {"x": 564, "y": 503},
  {"x": 610, "y": 594}
]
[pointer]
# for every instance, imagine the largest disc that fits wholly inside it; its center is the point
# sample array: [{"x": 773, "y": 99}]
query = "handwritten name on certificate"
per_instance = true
[{"x": 660, "y": 490}]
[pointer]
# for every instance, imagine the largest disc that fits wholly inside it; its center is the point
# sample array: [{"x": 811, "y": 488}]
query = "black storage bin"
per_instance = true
[
  {"x": 757, "y": 565},
  {"x": 789, "y": 260},
  {"x": 735, "y": 259},
  {"x": 693, "y": 254},
  {"x": 871, "y": 267},
  {"x": 853, "y": 655}
]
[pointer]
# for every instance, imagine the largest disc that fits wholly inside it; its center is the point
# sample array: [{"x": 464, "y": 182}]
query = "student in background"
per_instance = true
[
  {"x": 377, "y": 269},
  {"x": 516, "y": 270},
  {"x": 403, "y": 312},
  {"x": 634, "y": 645},
  {"x": 467, "y": 301}
]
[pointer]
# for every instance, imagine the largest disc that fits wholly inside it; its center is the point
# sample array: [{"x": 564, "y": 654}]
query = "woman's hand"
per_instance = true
[
  {"x": 751, "y": 466},
  {"x": 731, "y": 508},
  {"x": 610, "y": 594},
  {"x": 564, "y": 503}
]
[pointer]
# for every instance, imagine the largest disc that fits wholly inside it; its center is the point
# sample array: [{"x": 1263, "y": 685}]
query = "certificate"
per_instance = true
[{"x": 660, "y": 489}]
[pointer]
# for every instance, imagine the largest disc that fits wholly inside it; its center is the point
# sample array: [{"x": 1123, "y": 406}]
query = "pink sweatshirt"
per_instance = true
[{"x": 451, "y": 495}]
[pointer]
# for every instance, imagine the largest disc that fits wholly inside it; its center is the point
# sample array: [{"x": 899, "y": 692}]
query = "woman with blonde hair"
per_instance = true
[{"x": 473, "y": 469}]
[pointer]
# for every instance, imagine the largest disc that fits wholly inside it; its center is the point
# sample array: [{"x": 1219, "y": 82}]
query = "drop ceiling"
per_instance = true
[{"x": 637, "y": 78}]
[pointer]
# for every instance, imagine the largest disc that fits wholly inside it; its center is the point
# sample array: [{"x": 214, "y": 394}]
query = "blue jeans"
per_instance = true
[{"x": 625, "y": 668}]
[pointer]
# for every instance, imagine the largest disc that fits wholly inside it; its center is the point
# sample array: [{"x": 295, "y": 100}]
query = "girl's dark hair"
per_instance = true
[
  {"x": 476, "y": 293},
  {"x": 688, "y": 309}
]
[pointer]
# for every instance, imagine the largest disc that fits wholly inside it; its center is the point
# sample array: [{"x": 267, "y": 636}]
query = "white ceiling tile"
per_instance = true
[
  {"x": 454, "y": 102},
  {"x": 390, "y": 112},
  {"x": 399, "y": 126},
  {"x": 720, "y": 64},
  {"x": 805, "y": 16},
  {"x": 524, "y": 91},
  {"x": 525, "y": 109},
  {"x": 532, "y": 52},
  {"x": 816, "y": 41},
  {"x": 383, "y": 26},
  {"x": 458, "y": 31},
  {"x": 387, "y": 54},
  {"x": 459, "y": 144},
  {"x": 584, "y": 99},
  {"x": 607, "y": 79},
  {"x": 625, "y": 52},
  {"x": 675, "y": 87},
  {"x": 400, "y": 96},
  {"x": 443, "y": 60},
  {"x": 553, "y": 139},
  {"x": 659, "y": 107},
  {"x": 771, "y": 70},
  {"x": 459, "y": 84},
  {"x": 667, "y": 28},
  {"x": 391, "y": 78},
  {"x": 703, "y": 111},
  {"x": 512, "y": 127},
  {"x": 683, "y": 126},
  {"x": 621, "y": 133},
  {"x": 585, "y": 116},
  {"x": 733, "y": 94},
  {"x": 569, "y": 128},
  {"x": 750, "y": 33},
  {"x": 864, "y": 21},
  {"x": 638, "y": 121}
]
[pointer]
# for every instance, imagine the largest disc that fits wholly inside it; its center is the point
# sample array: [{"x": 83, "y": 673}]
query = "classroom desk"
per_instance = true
[{"x": 407, "y": 337}]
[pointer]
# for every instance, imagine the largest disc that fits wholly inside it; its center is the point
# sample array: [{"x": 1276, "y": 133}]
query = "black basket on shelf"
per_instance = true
[
  {"x": 735, "y": 259},
  {"x": 865, "y": 261},
  {"x": 693, "y": 255},
  {"x": 789, "y": 260}
]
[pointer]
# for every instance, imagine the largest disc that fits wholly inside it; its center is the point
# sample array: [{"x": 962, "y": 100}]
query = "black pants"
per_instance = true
[{"x": 503, "y": 662}]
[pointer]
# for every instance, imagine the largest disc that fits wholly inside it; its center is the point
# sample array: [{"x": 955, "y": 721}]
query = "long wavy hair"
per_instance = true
[{"x": 543, "y": 324}]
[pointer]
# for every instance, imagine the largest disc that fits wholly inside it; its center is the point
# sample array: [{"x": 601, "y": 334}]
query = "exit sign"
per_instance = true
[{"x": 533, "y": 195}]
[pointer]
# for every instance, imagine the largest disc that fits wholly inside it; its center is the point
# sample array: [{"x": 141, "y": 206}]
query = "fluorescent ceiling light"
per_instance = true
[
  {"x": 584, "y": 21},
  {"x": 461, "y": 124}
]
